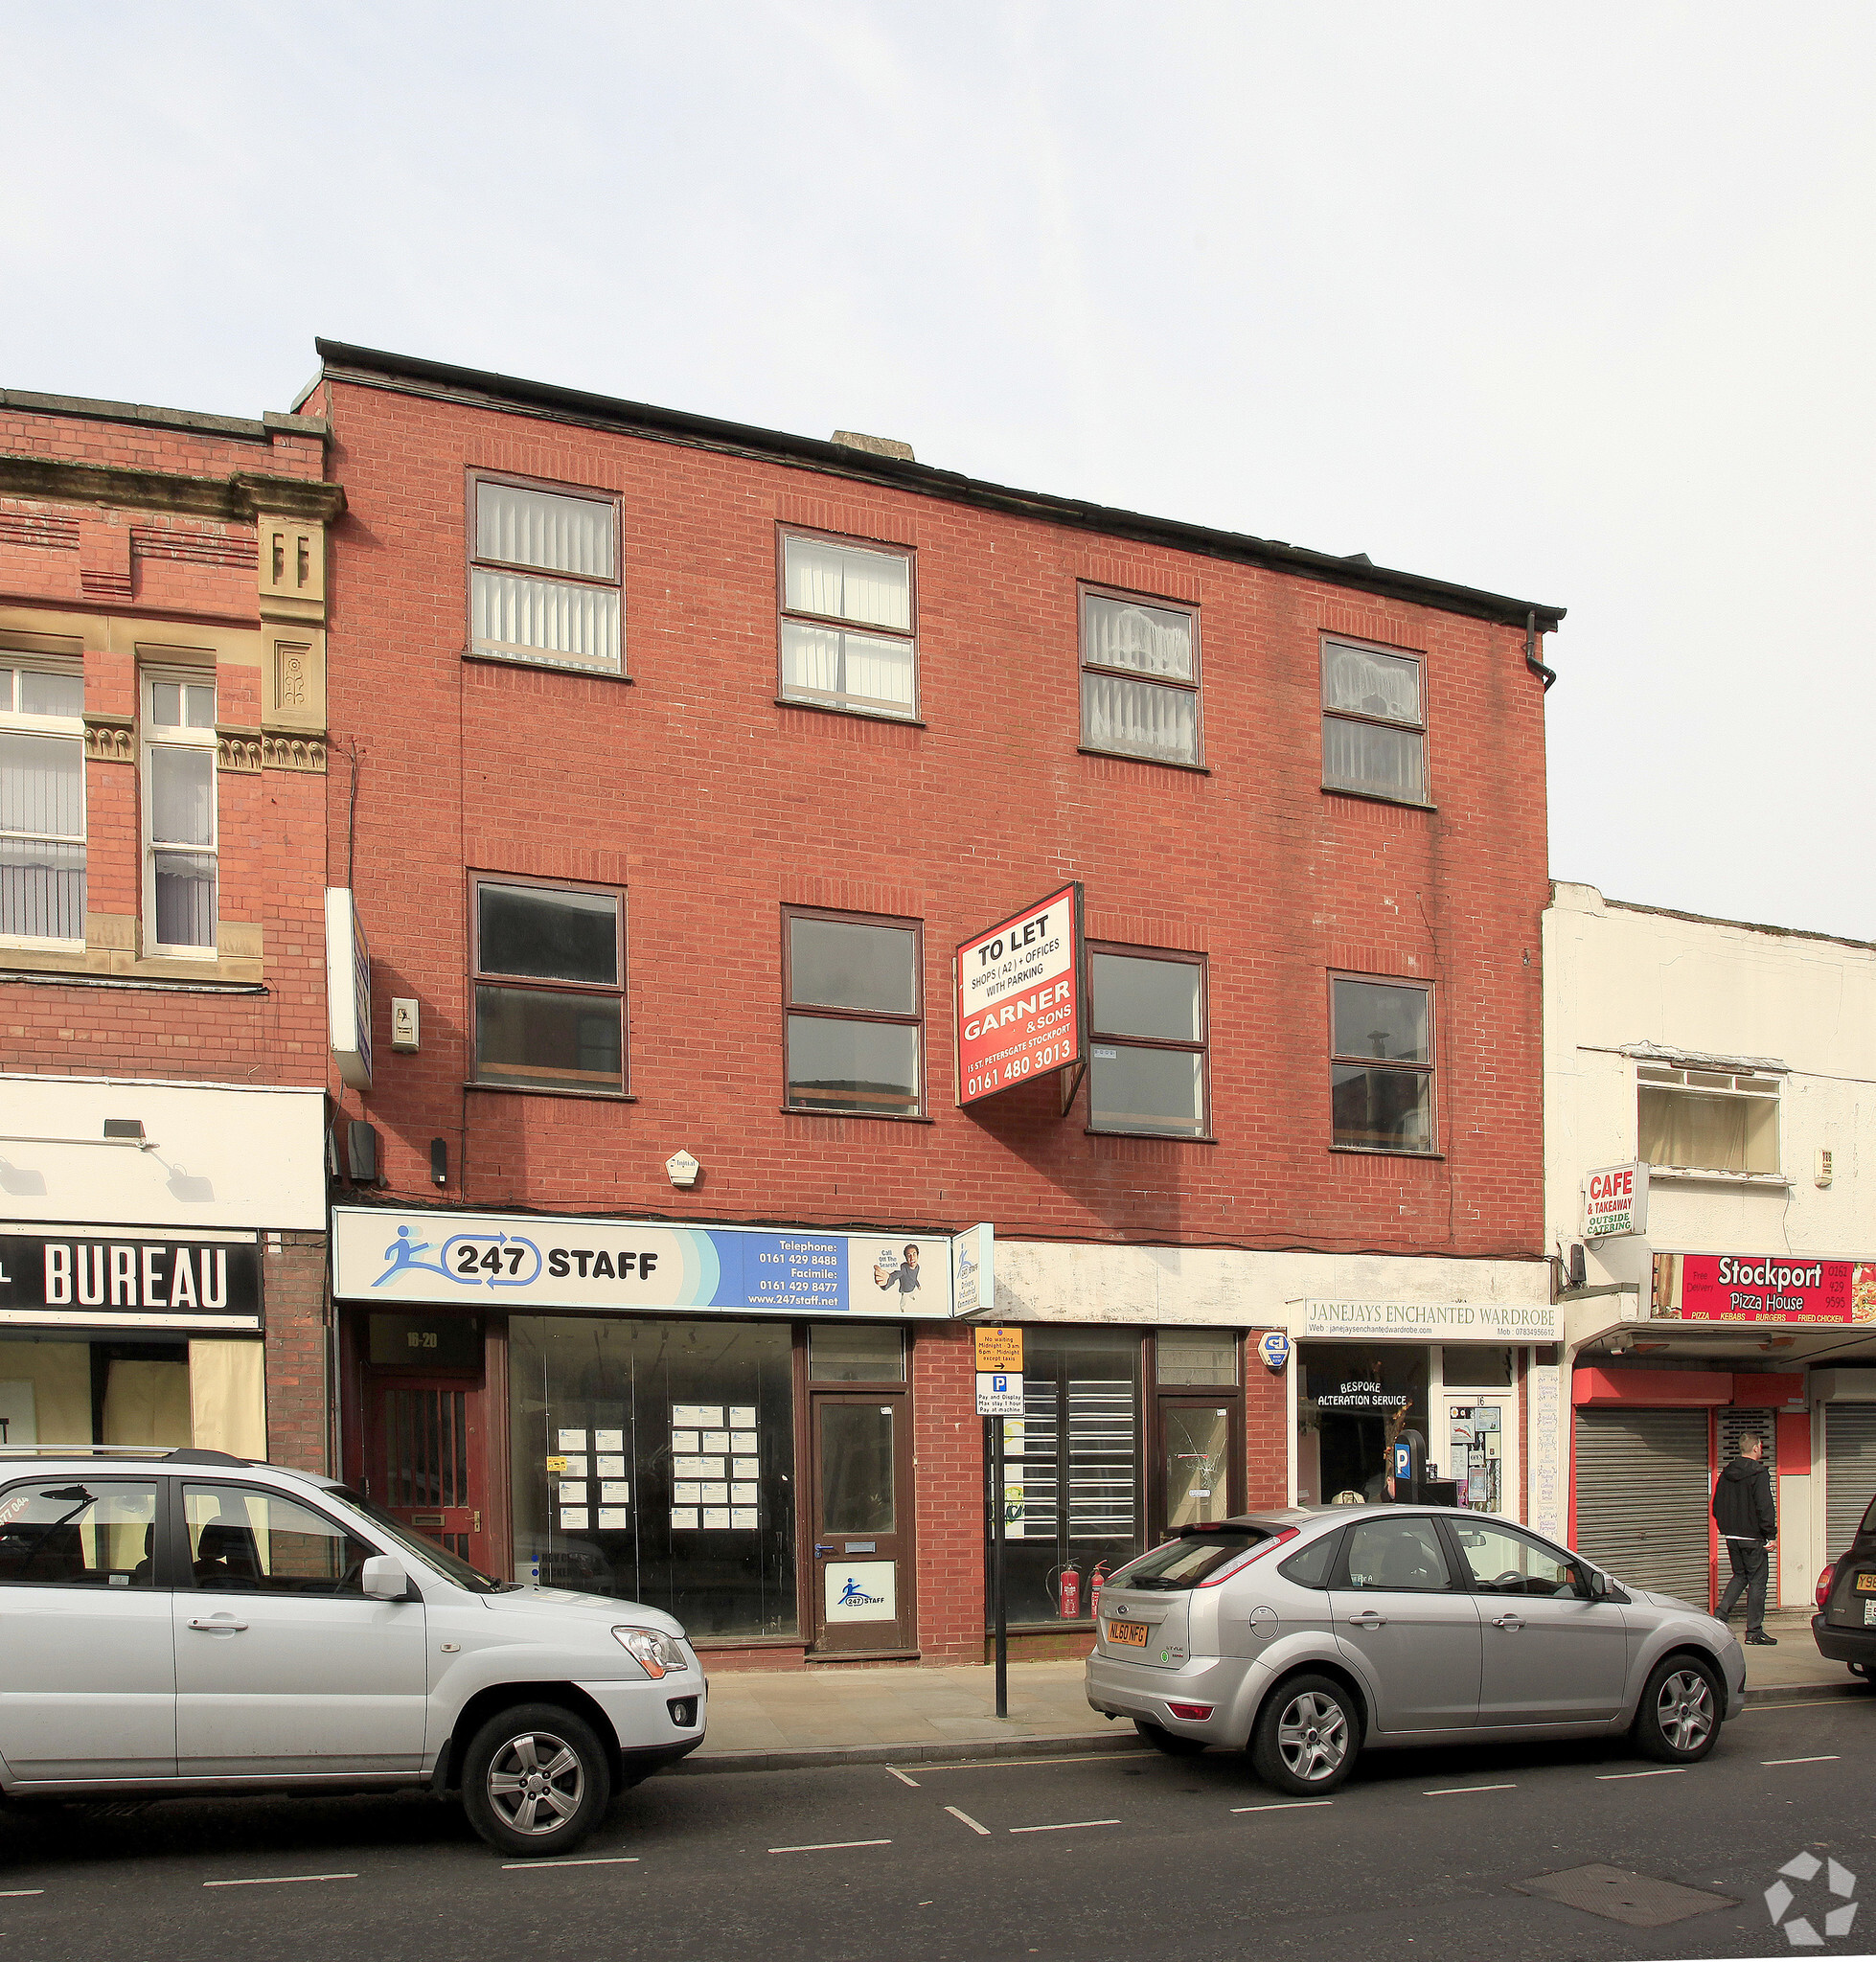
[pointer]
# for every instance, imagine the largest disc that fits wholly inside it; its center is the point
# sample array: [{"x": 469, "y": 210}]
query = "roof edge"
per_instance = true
[
  {"x": 1713, "y": 918},
  {"x": 373, "y": 366},
  {"x": 242, "y": 428}
]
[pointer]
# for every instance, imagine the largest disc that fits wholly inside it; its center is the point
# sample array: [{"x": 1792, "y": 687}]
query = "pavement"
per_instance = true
[{"x": 841, "y": 1713}]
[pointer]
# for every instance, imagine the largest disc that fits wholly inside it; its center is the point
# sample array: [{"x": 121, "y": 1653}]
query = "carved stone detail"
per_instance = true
[
  {"x": 294, "y": 753},
  {"x": 239, "y": 750},
  {"x": 109, "y": 739}
]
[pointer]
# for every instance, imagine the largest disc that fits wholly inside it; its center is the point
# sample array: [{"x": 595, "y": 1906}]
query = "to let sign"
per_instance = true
[
  {"x": 1019, "y": 997},
  {"x": 1614, "y": 1201}
]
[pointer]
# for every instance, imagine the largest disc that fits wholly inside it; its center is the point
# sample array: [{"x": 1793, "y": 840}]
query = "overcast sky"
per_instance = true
[{"x": 1569, "y": 302}]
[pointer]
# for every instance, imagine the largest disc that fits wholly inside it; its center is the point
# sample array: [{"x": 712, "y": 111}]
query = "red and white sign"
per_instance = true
[
  {"x": 1762, "y": 1287},
  {"x": 1614, "y": 1201},
  {"x": 1019, "y": 997}
]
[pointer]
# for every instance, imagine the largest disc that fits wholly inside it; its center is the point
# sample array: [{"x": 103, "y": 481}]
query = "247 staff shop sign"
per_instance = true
[
  {"x": 1762, "y": 1287},
  {"x": 1022, "y": 998}
]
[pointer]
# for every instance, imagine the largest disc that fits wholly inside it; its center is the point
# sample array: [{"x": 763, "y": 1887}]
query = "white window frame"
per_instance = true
[
  {"x": 1726, "y": 1083},
  {"x": 151, "y": 738},
  {"x": 843, "y": 701},
  {"x": 69, "y": 726}
]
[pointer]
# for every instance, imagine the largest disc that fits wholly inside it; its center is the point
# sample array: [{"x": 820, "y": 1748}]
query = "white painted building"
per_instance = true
[{"x": 1738, "y": 1063}]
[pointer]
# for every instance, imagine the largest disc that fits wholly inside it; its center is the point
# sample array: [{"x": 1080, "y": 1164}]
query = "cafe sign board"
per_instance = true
[
  {"x": 1020, "y": 997},
  {"x": 1614, "y": 1201},
  {"x": 1762, "y": 1287}
]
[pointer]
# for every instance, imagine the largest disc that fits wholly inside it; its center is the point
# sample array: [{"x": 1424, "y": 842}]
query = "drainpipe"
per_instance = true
[{"x": 1531, "y": 660}]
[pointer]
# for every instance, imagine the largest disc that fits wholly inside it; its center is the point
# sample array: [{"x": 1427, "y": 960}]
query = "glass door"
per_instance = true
[
  {"x": 862, "y": 1522},
  {"x": 1195, "y": 1462},
  {"x": 1475, "y": 1453}
]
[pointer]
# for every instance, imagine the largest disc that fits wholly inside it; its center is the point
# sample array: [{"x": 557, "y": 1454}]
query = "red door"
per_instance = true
[{"x": 425, "y": 1457}]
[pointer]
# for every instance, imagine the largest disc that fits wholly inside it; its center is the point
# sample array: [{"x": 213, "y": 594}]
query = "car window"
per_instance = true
[
  {"x": 78, "y": 1533},
  {"x": 1501, "y": 1561},
  {"x": 246, "y": 1541},
  {"x": 1184, "y": 1562},
  {"x": 1310, "y": 1569},
  {"x": 1401, "y": 1554}
]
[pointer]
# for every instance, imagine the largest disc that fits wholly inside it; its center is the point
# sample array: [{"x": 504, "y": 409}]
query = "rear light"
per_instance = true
[
  {"x": 1193, "y": 1713},
  {"x": 1244, "y": 1560},
  {"x": 1829, "y": 1574}
]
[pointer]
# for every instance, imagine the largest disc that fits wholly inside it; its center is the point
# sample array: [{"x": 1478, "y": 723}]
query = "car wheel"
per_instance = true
[
  {"x": 1307, "y": 1736},
  {"x": 535, "y": 1781},
  {"x": 1169, "y": 1741},
  {"x": 1678, "y": 1720}
]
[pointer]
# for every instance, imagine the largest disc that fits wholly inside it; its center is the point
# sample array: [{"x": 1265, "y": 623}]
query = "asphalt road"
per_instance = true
[{"x": 1090, "y": 1857}]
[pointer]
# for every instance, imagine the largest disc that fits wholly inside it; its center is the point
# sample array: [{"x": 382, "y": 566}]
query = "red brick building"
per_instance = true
[
  {"x": 686, "y": 754},
  {"x": 162, "y": 1052}
]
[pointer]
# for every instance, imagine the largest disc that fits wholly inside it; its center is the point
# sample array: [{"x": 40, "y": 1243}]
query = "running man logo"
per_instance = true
[{"x": 852, "y": 1596}]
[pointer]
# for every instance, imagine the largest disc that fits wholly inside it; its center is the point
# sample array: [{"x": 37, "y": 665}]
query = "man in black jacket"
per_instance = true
[{"x": 1749, "y": 1523}]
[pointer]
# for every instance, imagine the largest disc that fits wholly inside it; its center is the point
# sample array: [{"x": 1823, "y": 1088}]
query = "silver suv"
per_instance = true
[
  {"x": 188, "y": 1621},
  {"x": 1306, "y": 1635}
]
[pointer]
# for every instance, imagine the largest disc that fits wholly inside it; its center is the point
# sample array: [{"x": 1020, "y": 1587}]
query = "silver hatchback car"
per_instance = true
[{"x": 1305, "y": 1636}]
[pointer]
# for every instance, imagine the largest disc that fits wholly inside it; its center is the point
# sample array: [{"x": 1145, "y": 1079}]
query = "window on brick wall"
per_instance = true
[
  {"x": 549, "y": 987},
  {"x": 1139, "y": 678},
  {"x": 1381, "y": 1069},
  {"x": 1146, "y": 1064},
  {"x": 41, "y": 801},
  {"x": 544, "y": 576},
  {"x": 853, "y": 1014},
  {"x": 180, "y": 836},
  {"x": 1374, "y": 728},
  {"x": 848, "y": 638}
]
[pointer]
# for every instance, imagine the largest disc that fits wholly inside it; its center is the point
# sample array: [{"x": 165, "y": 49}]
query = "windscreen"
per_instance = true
[{"x": 1184, "y": 1562}]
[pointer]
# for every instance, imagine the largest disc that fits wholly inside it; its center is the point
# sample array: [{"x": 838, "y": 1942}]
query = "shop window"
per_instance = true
[
  {"x": 1381, "y": 1069},
  {"x": 545, "y": 580},
  {"x": 42, "y": 801},
  {"x": 654, "y": 1461},
  {"x": 78, "y": 1533},
  {"x": 1474, "y": 1366},
  {"x": 1353, "y": 1405},
  {"x": 853, "y": 1008},
  {"x": 180, "y": 833},
  {"x": 1139, "y": 678},
  {"x": 1702, "y": 1120},
  {"x": 1374, "y": 738},
  {"x": 848, "y": 640},
  {"x": 856, "y": 1353},
  {"x": 1148, "y": 1069},
  {"x": 246, "y": 1541},
  {"x": 549, "y": 992},
  {"x": 1071, "y": 1495}
]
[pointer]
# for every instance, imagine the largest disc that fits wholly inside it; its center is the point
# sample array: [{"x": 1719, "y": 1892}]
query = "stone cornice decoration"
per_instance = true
[
  {"x": 306, "y": 753},
  {"x": 109, "y": 739},
  {"x": 235, "y": 499},
  {"x": 237, "y": 749}
]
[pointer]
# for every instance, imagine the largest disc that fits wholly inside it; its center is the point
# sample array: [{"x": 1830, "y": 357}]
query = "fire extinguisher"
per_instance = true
[
  {"x": 1094, "y": 1580},
  {"x": 1071, "y": 1593}
]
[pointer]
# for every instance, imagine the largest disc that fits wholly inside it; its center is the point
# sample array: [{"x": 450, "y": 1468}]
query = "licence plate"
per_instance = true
[
  {"x": 1126, "y": 1634},
  {"x": 1870, "y": 1615},
  {"x": 1866, "y": 1583}
]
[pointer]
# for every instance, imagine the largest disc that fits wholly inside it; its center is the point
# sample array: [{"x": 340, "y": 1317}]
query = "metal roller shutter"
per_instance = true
[
  {"x": 1735, "y": 1425},
  {"x": 1849, "y": 1472},
  {"x": 1642, "y": 1497}
]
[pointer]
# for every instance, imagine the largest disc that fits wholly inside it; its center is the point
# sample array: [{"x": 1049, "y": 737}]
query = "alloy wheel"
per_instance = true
[
  {"x": 1313, "y": 1736},
  {"x": 536, "y": 1783},
  {"x": 1684, "y": 1709}
]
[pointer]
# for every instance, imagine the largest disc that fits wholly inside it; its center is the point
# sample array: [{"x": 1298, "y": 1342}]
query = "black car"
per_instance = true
[{"x": 1845, "y": 1626}]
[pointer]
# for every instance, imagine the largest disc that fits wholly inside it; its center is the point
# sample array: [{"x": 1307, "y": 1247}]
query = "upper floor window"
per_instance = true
[
  {"x": 1147, "y": 1062},
  {"x": 1139, "y": 678},
  {"x": 853, "y": 1006},
  {"x": 1704, "y": 1119},
  {"x": 847, "y": 626},
  {"x": 179, "y": 812},
  {"x": 549, "y": 992},
  {"x": 1373, "y": 729},
  {"x": 41, "y": 800},
  {"x": 544, "y": 585},
  {"x": 1381, "y": 1070}
]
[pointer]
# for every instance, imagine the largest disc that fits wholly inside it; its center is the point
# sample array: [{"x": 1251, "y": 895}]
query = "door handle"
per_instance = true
[
  {"x": 1367, "y": 1619},
  {"x": 1507, "y": 1621},
  {"x": 819, "y": 1549},
  {"x": 220, "y": 1626}
]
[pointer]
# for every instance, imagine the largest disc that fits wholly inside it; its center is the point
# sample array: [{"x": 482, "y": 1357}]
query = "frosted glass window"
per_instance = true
[
  {"x": 1139, "y": 679},
  {"x": 564, "y": 608},
  {"x": 1373, "y": 725},
  {"x": 825, "y": 585}
]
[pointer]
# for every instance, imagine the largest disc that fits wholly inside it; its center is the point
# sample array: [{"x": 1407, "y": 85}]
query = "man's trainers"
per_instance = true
[{"x": 1762, "y": 1641}]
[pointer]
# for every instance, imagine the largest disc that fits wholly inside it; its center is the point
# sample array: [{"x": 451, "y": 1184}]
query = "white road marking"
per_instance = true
[
  {"x": 830, "y": 1846},
  {"x": 279, "y": 1880},
  {"x": 522, "y": 1866},
  {"x": 892, "y": 1771},
  {"x": 19, "y": 1893},
  {"x": 1003, "y": 1764},
  {"x": 1289, "y": 1805},
  {"x": 1829, "y": 1758},
  {"x": 967, "y": 1820},
  {"x": 1666, "y": 1771},
  {"x": 1453, "y": 1791},
  {"x": 1816, "y": 1704},
  {"x": 1066, "y": 1826}
]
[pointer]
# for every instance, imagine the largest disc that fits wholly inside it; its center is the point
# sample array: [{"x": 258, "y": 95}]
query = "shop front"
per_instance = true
[{"x": 719, "y": 1421}]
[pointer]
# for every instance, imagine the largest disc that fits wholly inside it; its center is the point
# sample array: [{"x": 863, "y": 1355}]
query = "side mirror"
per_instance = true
[
  {"x": 1597, "y": 1583},
  {"x": 383, "y": 1578}
]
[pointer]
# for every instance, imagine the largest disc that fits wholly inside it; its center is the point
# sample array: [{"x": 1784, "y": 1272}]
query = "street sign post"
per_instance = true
[{"x": 999, "y": 1395}]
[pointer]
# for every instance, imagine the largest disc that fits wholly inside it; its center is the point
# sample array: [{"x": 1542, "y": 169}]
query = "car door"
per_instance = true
[
  {"x": 87, "y": 1669},
  {"x": 1552, "y": 1654},
  {"x": 283, "y": 1666},
  {"x": 1400, "y": 1609}
]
